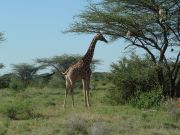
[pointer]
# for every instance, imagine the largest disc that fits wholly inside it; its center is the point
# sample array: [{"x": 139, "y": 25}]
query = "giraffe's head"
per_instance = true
[{"x": 100, "y": 37}]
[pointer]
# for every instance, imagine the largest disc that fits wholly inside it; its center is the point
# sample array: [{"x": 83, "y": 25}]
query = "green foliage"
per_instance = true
[
  {"x": 5, "y": 81},
  {"x": 147, "y": 100},
  {"x": 135, "y": 83},
  {"x": 100, "y": 81},
  {"x": 131, "y": 76},
  {"x": 18, "y": 110},
  {"x": 16, "y": 84},
  {"x": 25, "y": 72},
  {"x": 56, "y": 82},
  {"x": 4, "y": 123},
  {"x": 114, "y": 18},
  {"x": 40, "y": 81}
]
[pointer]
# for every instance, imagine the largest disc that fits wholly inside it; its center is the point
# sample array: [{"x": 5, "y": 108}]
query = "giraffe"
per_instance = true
[{"x": 81, "y": 71}]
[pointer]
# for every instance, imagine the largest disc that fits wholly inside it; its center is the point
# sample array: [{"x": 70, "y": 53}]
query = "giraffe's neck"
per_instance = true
[{"x": 87, "y": 58}]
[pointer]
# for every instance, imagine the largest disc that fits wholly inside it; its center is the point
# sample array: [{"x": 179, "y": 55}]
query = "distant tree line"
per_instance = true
[
  {"x": 44, "y": 72},
  {"x": 132, "y": 80}
]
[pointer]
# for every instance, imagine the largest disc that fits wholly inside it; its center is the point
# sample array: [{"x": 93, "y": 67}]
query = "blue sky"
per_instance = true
[{"x": 33, "y": 29}]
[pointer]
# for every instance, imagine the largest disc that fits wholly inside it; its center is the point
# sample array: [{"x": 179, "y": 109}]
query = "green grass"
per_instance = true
[{"x": 40, "y": 112}]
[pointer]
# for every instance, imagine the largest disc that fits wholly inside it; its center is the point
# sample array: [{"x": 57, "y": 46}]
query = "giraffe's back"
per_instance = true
[{"x": 79, "y": 71}]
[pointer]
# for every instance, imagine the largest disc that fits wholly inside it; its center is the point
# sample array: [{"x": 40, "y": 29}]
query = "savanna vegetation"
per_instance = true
[
  {"x": 127, "y": 100},
  {"x": 136, "y": 97}
]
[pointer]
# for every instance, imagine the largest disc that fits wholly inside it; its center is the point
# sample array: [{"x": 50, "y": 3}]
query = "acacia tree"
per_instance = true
[
  {"x": 25, "y": 72},
  {"x": 152, "y": 25},
  {"x": 61, "y": 63},
  {"x": 58, "y": 63}
]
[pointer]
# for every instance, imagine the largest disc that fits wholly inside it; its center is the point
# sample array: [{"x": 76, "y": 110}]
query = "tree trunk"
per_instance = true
[
  {"x": 172, "y": 88},
  {"x": 161, "y": 79}
]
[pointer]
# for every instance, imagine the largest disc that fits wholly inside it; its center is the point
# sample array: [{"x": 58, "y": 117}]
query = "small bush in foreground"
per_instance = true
[
  {"x": 98, "y": 129},
  {"x": 77, "y": 126},
  {"x": 171, "y": 108}
]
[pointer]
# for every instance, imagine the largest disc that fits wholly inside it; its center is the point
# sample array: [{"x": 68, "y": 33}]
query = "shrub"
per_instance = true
[
  {"x": 146, "y": 100},
  {"x": 170, "y": 107},
  {"x": 77, "y": 126},
  {"x": 56, "y": 82},
  {"x": 131, "y": 76},
  {"x": 4, "y": 81},
  {"x": 98, "y": 129},
  {"x": 40, "y": 82},
  {"x": 16, "y": 84},
  {"x": 19, "y": 110}
]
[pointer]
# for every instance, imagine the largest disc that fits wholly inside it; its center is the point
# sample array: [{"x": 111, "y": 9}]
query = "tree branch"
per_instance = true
[
  {"x": 145, "y": 48},
  {"x": 166, "y": 42},
  {"x": 173, "y": 32}
]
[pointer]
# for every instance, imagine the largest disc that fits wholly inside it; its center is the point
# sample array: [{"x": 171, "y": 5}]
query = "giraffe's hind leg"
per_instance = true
[
  {"x": 66, "y": 92},
  {"x": 86, "y": 83},
  {"x": 72, "y": 96},
  {"x": 87, "y": 92},
  {"x": 84, "y": 91}
]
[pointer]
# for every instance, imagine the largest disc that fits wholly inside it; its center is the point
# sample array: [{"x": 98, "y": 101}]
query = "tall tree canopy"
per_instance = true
[{"x": 152, "y": 25}]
